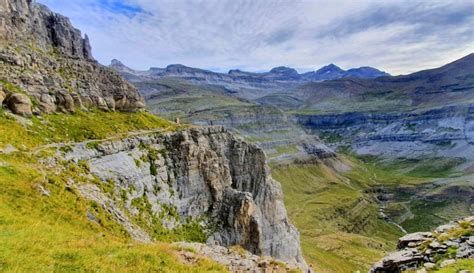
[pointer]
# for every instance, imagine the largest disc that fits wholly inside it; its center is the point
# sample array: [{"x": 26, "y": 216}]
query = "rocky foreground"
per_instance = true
[
  {"x": 236, "y": 259},
  {"x": 428, "y": 251}
]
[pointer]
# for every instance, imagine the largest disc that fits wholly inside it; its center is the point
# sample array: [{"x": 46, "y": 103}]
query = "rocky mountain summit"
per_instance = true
[
  {"x": 205, "y": 179},
  {"x": 277, "y": 77},
  {"x": 332, "y": 72},
  {"x": 47, "y": 66},
  {"x": 431, "y": 250}
]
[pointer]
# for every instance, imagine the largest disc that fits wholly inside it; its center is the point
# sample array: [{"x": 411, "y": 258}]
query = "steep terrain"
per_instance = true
[
  {"x": 241, "y": 84},
  {"x": 94, "y": 184},
  {"x": 46, "y": 58},
  {"x": 203, "y": 179},
  {"x": 404, "y": 150}
]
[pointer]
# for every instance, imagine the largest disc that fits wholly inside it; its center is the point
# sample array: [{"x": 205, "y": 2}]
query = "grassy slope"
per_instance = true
[
  {"x": 340, "y": 230},
  {"x": 45, "y": 234},
  {"x": 338, "y": 219},
  {"x": 189, "y": 98},
  {"x": 407, "y": 177}
]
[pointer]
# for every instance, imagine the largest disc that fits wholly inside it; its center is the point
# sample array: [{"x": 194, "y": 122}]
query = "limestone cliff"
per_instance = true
[
  {"x": 43, "y": 57},
  {"x": 201, "y": 175}
]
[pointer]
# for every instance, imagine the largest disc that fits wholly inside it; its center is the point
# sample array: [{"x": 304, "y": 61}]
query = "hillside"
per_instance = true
[
  {"x": 403, "y": 150},
  {"x": 95, "y": 183},
  {"x": 448, "y": 85}
]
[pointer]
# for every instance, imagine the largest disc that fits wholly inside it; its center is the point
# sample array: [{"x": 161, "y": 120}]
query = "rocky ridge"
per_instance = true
[
  {"x": 47, "y": 66},
  {"x": 242, "y": 84},
  {"x": 204, "y": 177},
  {"x": 431, "y": 250}
]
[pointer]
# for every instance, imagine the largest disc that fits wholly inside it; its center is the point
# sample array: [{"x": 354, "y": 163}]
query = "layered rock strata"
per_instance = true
[
  {"x": 204, "y": 174},
  {"x": 431, "y": 250},
  {"x": 45, "y": 58}
]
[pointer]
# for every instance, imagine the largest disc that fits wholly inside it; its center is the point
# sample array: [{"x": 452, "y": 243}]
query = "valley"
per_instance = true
[
  {"x": 182, "y": 169},
  {"x": 361, "y": 160}
]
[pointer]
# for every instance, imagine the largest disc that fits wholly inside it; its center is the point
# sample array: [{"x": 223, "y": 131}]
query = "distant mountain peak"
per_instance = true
[
  {"x": 116, "y": 63},
  {"x": 120, "y": 67},
  {"x": 173, "y": 66},
  {"x": 366, "y": 72},
  {"x": 283, "y": 70},
  {"x": 330, "y": 68}
]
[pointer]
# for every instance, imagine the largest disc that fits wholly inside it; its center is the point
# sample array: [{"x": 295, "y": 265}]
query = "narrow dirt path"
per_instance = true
[{"x": 41, "y": 148}]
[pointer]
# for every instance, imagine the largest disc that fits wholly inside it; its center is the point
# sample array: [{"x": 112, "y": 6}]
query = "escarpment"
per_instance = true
[
  {"x": 198, "y": 181},
  {"x": 46, "y": 60}
]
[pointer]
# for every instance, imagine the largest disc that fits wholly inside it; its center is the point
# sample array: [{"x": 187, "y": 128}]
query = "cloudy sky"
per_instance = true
[{"x": 396, "y": 36}]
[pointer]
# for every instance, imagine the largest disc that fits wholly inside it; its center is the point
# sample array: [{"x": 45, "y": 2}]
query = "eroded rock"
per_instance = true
[
  {"x": 201, "y": 172},
  {"x": 44, "y": 55},
  {"x": 426, "y": 248},
  {"x": 20, "y": 104}
]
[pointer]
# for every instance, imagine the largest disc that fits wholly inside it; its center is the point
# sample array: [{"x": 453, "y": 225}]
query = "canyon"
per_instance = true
[{"x": 181, "y": 169}]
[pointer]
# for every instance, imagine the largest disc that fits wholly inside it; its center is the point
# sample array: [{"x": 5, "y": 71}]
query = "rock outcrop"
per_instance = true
[
  {"x": 235, "y": 259},
  {"x": 442, "y": 132},
  {"x": 45, "y": 57},
  {"x": 431, "y": 250},
  {"x": 206, "y": 175},
  {"x": 20, "y": 104}
]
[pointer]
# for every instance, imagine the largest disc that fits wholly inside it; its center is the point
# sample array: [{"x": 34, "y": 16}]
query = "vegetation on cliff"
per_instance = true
[{"x": 41, "y": 213}]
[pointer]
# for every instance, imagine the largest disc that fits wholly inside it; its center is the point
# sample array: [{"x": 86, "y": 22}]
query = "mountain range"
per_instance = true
[
  {"x": 401, "y": 146},
  {"x": 281, "y": 73},
  {"x": 182, "y": 169}
]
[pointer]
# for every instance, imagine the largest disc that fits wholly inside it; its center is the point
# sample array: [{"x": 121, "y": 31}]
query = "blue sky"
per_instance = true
[{"x": 396, "y": 36}]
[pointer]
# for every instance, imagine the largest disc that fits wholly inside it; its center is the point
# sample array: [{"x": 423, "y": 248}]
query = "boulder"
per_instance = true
[
  {"x": 394, "y": 262},
  {"x": 429, "y": 265},
  {"x": 47, "y": 104},
  {"x": 447, "y": 262},
  {"x": 416, "y": 238},
  {"x": 20, "y": 104},
  {"x": 65, "y": 101}
]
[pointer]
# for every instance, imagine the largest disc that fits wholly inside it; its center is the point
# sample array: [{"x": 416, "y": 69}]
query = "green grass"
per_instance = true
[
  {"x": 339, "y": 224},
  {"x": 337, "y": 214},
  {"x": 76, "y": 127},
  {"x": 466, "y": 264},
  {"x": 52, "y": 233}
]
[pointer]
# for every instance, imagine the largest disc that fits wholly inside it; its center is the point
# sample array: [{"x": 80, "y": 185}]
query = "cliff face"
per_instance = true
[
  {"x": 207, "y": 176},
  {"x": 446, "y": 131},
  {"x": 25, "y": 19},
  {"x": 47, "y": 60}
]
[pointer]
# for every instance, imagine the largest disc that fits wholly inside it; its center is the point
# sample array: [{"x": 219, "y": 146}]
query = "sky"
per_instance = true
[{"x": 398, "y": 37}]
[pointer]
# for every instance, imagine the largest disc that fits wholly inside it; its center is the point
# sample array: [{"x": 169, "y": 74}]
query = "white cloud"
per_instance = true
[{"x": 398, "y": 36}]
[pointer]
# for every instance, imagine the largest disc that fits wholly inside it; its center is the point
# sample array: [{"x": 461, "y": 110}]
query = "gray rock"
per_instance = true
[
  {"x": 47, "y": 104},
  {"x": 64, "y": 62},
  {"x": 394, "y": 262},
  {"x": 429, "y": 265},
  {"x": 447, "y": 262},
  {"x": 434, "y": 245},
  {"x": 234, "y": 259},
  {"x": 20, "y": 104},
  {"x": 92, "y": 192},
  {"x": 416, "y": 238},
  {"x": 202, "y": 172},
  {"x": 410, "y": 258},
  {"x": 444, "y": 228}
]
